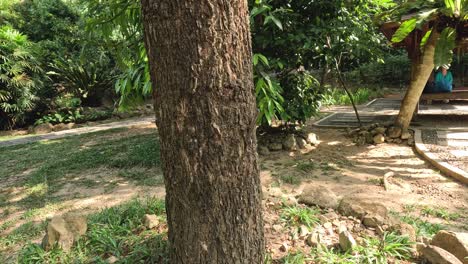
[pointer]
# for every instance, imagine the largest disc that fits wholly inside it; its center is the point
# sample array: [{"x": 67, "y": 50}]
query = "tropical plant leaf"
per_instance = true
[
  {"x": 424, "y": 39},
  {"x": 444, "y": 47},
  {"x": 404, "y": 30}
]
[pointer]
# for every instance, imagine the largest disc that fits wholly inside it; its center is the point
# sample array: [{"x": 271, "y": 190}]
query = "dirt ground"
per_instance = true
[
  {"x": 337, "y": 163},
  {"x": 348, "y": 169}
]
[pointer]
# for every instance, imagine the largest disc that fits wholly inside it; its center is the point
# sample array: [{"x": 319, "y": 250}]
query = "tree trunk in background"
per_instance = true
[
  {"x": 419, "y": 76},
  {"x": 200, "y": 60}
]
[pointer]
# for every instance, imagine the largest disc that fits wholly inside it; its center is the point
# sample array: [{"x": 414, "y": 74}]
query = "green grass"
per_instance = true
[
  {"x": 5, "y": 138},
  {"x": 45, "y": 166},
  {"x": 422, "y": 227},
  {"x": 39, "y": 170},
  {"x": 373, "y": 251},
  {"x": 115, "y": 231},
  {"x": 439, "y": 212},
  {"x": 300, "y": 215},
  {"x": 24, "y": 232},
  {"x": 306, "y": 166},
  {"x": 337, "y": 96},
  {"x": 291, "y": 179}
]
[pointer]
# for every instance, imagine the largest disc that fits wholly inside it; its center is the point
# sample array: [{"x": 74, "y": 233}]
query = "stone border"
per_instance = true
[{"x": 443, "y": 166}]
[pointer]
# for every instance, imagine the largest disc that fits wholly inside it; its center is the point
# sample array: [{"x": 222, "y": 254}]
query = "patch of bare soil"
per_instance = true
[{"x": 358, "y": 171}]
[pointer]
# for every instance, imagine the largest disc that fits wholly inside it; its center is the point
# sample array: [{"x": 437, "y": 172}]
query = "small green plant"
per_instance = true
[
  {"x": 324, "y": 255},
  {"x": 423, "y": 228},
  {"x": 290, "y": 179},
  {"x": 60, "y": 117},
  {"x": 408, "y": 208},
  {"x": 376, "y": 181},
  {"x": 439, "y": 212},
  {"x": 300, "y": 215},
  {"x": 306, "y": 166},
  {"x": 378, "y": 251},
  {"x": 295, "y": 258},
  {"x": 339, "y": 97}
]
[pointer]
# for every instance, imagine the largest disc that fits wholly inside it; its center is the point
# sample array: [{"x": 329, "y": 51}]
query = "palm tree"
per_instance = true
[{"x": 443, "y": 22}]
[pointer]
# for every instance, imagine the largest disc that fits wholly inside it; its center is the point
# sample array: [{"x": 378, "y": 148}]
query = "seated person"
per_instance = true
[{"x": 443, "y": 82}]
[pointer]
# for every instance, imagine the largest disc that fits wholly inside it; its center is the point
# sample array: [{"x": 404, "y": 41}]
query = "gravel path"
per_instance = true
[{"x": 78, "y": 131}]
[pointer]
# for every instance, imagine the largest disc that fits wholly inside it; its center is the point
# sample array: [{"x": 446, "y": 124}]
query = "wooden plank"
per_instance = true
[{"x": 454, "y": 95}]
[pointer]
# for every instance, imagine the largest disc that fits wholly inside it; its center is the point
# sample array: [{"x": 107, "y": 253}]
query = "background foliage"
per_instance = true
[{"x": 92, "y": 52}]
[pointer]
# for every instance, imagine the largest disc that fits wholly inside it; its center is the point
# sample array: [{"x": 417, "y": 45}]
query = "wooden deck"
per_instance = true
[{"x": 460, "y": 93}]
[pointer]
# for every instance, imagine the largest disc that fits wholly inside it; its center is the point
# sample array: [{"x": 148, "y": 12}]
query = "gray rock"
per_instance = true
[
  {"x": 284, "y": 247},
  {"x": 289, "y": 142},
  {"x": 262, "y": 150},
  {"x": 150, "y": 221},
  {"x": 112, "y": 259},
  {"x": 314, "y": 239},
  {"x": 378, "y": 139},
  {"x": 438, "y": 255},
  {"x": 318, "y": 195},
  {"x": 455, "y": 243},
  {"x": 405, "y": 135},
  {"x": 289, "y": 200},
  {"x": 43, "y": 128},
  {"x": 371, "y": 220},
  {"x": 64, "y": 231},
  {"x": 303, "y": 231},
  {"x": 373, "y": 213},
  {"x": 379, "y": 130},
  {"x": 311, "y": 138},
  {"x": 301, "y": 143},
  {"x": 277, "y": 228},
  {"x": 405, "y": 229},
  {"x": 394, "y": 132},
  {"x": 347, "y": 242},
  {"x": 60, "y": 127},
  {"x": 275, "y": 146}
]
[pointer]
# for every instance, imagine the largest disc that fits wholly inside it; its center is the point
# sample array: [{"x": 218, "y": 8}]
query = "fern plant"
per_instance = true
[{"x": 18, "y": 85}]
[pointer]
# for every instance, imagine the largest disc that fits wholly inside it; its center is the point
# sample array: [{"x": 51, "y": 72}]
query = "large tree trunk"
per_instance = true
[
  {"x": 201, "y": 69},
  {"x": 419, "y": 76}
]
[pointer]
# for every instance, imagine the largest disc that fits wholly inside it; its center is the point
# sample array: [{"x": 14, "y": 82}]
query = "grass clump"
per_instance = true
[
  {"x": 295, "y": 258},
  {"x": 300, "y": 215},
  {"x": 439, "y": 212},
  {"x": 26, "y": 231},
  {"x": 306, "y": 166},
  {"x": 373, "y": 251},
  {"x": 290, "y": 179},
  {"x": 115, "y": 231},
  {"x": 423, "y": 228},
  {"x": 379, "y": 251}
]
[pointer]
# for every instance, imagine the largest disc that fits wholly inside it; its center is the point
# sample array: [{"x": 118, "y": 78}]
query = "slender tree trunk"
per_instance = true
[
  {"x": 419, "y": 76},
  {"x": 200, "y": 60}
]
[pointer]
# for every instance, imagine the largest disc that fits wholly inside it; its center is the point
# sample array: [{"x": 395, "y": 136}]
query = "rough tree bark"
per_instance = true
[
  {"x": 200, "y": 61},
  {"x": 419, "y": 77}
]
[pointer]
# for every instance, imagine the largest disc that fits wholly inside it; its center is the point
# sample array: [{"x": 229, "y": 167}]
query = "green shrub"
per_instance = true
[
  {"x": 88, "y": 81},
  {"x": 19, "y": 84},
  {"x": 302, "y": 98},
  {"x": 337, "y": 96},
  {"x": 393, "y": 70}
]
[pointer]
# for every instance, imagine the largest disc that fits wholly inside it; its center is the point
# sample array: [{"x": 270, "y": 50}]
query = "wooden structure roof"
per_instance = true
[{"x": 412, "y": 42}]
